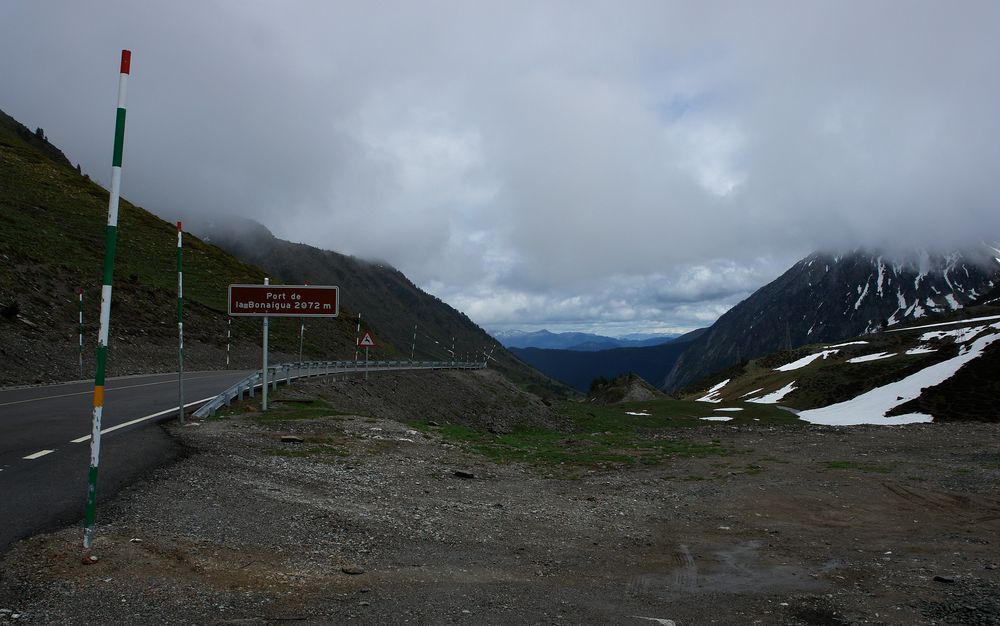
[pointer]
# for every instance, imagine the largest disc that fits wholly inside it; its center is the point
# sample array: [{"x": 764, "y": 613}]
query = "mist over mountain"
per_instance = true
[
  {"x": 828, "y": 297},
  {"x": 398, "y": 312}
]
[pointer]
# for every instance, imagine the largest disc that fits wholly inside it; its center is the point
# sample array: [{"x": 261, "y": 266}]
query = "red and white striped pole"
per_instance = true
[
  {"x": 105, "y": 323},
  {"x": 357, "y": 340},
  {"x": 79, "y": 300}
]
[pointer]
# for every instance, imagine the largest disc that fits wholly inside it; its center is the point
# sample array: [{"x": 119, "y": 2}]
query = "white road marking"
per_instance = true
[
  {"x": 107, "y": 390},
  {"x": 32, "y": 457},
  {"x": 104, "y": 431}
]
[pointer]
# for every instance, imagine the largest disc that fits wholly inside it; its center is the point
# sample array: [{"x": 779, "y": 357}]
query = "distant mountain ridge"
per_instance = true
[
  {"x": 828, "y": 297},
  {"x": 581, "y": 342},
  {"x": 579, "y": 368}
]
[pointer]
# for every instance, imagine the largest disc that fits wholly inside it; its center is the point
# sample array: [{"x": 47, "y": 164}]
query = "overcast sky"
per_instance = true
[{"x": 608, "y": 166}]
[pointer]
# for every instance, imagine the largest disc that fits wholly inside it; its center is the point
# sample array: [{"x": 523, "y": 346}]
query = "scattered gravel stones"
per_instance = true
[{"x": 368, "y": 522}]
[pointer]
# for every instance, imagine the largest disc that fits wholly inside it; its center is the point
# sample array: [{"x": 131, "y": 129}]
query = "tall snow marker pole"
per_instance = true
[
  {"x": 79, "y": 300},
  {"x": 229, "y": 338},
  {"x": 263, "y": 400},
  {"x": 180, "y": 324},
  {"x": 102, "y": 337},
  {"x": 413, "y": 346},
  {"x": 357, "y": 338}
]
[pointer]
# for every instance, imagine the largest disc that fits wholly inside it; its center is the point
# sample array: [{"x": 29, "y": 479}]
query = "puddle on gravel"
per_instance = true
[{"x": 739, "y": 568}]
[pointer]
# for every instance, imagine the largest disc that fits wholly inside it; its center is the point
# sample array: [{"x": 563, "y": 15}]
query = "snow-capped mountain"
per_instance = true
[{"x": 827, "y": 297}]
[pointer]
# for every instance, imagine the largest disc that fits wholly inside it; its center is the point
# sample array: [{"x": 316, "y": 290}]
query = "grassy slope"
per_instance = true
[
  {"x": 53, "y": 224},
  {"x": 831, "y": 380}
]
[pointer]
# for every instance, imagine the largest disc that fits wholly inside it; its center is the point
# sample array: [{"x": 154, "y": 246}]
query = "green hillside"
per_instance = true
[
  {"x": 820, "y": 375},
  {"x": 52, "y": 231}
]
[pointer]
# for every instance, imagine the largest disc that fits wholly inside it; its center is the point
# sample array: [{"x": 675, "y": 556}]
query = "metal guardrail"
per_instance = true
[{"x": 283, "y": 374}]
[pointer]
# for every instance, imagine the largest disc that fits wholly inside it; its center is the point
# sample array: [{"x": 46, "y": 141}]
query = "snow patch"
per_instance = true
[
  {"x": 710, "y": 396},
  {"x": 849, "y": 343},
  {"x": 806, "y": 360},
  {"x": 716, "y": 418},
  {"x": 968, "y": 321},
  {"x": 730, "y": 409},
  {"x": 952, "y": 302},
  {"x": 881, "y": 275},
  {"x": 871, "y": 357},
  {"x": 775, "y": 396},
  {"x": 920, "y": 350},
  {"x": 961, "y": 335},
  {"x": 641, "y": 413},
  {"x": 861, "y": 297},
  {"x": 871, "y": 407}
]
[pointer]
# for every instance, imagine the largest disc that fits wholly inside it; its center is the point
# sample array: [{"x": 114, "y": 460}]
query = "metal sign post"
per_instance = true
[
  {"x": 263, "y": 403},
  {"x": 368, "y": 342},
  {"x": 269, "y": 300}
]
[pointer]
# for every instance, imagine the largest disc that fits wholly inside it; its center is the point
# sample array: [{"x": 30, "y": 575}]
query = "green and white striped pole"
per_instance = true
[
  {"x": 180, "y": 324},
  {"x": 102, "y": 337}
]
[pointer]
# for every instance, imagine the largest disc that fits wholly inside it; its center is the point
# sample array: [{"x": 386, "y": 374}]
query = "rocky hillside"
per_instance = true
[
  {"x": 625, "y": 388},
  {"x": 827, "y": 297}
]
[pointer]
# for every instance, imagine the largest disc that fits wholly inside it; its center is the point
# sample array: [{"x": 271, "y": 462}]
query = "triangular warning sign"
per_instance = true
[{"x": 367, "y": 341}]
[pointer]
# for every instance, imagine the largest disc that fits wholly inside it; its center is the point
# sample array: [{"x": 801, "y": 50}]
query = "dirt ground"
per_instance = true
[{"x": 370, "y": 521}]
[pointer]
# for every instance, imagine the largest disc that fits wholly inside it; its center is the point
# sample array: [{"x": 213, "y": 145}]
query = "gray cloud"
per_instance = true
[{"x": 634, "y": 165}]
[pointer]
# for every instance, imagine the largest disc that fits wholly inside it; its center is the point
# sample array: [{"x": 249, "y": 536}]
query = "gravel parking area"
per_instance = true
[{"x": 358, "y": 517}]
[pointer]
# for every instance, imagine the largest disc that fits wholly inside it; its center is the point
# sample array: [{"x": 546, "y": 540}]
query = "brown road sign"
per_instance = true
[{"x": 284, "y": 301}]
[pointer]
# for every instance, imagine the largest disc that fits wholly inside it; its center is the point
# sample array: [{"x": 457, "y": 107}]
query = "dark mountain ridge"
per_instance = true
[{"x": 578, "y": 369}]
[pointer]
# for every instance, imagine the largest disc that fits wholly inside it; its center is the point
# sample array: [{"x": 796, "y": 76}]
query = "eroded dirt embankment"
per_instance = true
[{"x": 367, "y": 519}]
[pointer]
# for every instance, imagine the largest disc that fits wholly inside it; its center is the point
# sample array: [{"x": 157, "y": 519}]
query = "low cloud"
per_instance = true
[{"x": 642, "y": 164}]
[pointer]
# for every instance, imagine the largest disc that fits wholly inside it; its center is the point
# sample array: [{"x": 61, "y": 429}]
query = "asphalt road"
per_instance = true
[{"x": 45, "y": 444}]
